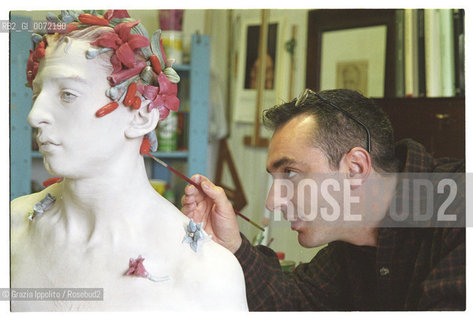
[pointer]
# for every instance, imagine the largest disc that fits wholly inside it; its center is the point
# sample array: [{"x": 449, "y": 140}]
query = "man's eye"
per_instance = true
[
  {"x": 290, "y": 174},
  {"x": 68, "y": 96}
]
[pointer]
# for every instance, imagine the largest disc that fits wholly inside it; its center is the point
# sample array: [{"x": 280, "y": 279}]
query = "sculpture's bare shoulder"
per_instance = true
[
  {"x": 212, "y": 270},
  {"x": 22, "y": 207},
  {"x": 207, "y": 279}
]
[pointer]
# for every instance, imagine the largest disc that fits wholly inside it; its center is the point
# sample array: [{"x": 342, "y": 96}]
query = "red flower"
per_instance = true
[
  {"x": 124, "y": 43},
  {"x": 72, "y": 26},
  {"x": 136, "y": 268},
  {"x": 87, "y": 18},
  {"x": 90, "y": 19},
  {"x": 51, "y": 181},
  {"x": 110, "y": 14},
  {"x": 33, "y": 62},
  {"x": 167, "y": 93},
  {"x": 164, "y": 97},
  {"x": 122, "y": 75}
]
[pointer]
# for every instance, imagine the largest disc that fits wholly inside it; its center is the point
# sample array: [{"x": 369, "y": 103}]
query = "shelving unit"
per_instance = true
[
  {"x": 21, "y": 155},
  {"x": 199, "y": 78}
]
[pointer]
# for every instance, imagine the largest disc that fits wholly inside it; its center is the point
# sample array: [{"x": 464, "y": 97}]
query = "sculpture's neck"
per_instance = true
[{"x": 100, "y": 206}]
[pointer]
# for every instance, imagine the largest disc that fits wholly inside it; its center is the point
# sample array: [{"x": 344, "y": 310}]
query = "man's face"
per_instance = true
[
  {"x": 68, "y": 90},
  {"x": 293, "y": 158}
]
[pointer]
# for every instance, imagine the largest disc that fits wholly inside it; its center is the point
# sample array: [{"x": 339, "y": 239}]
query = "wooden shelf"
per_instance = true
[
  {"x": 182, "y": 67},
  {"x": 170, "y": 154}
]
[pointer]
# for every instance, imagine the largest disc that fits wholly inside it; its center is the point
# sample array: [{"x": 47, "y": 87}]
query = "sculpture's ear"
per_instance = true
[{"x": 143, "y": 122}]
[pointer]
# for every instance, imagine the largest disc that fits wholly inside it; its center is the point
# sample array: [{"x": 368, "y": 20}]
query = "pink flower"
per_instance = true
[
  {"x": 136, "y": 268},
  {"x": 167, "y": 93},
  {"x": 110, "y": 14},
  {"x": 164, "y": 97},
  {"x": 124, "y": 43},
  {"x": 124, "y": 74}
]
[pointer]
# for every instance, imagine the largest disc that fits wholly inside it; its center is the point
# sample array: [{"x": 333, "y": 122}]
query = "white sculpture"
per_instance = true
[{"x": 105, "y": 211}]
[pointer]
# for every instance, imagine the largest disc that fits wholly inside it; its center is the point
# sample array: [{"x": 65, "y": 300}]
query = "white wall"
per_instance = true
[{"x": 250, "y": 161}]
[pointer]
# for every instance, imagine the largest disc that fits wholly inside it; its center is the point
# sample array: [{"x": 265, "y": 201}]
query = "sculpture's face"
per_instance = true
[{"x": 68, "y": 90}]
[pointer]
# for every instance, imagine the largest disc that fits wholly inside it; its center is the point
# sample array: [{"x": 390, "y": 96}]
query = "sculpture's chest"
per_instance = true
[{"x": 79, "y": 278}]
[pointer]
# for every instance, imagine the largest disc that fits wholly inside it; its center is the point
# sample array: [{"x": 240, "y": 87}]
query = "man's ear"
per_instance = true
[
  {"x": 143, "y": 122},
  {"x": 357, "y": 163}
]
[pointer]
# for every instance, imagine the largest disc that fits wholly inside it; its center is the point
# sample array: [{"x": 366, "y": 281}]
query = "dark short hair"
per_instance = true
[{"x": 335, "y": 133}]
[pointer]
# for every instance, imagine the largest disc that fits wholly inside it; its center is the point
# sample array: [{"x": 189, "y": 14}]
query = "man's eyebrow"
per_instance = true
[{"x": 279, "y": 163}]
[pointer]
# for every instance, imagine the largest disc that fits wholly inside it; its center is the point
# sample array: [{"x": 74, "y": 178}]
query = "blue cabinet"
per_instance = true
[
  {"x": 20, "y": 105},
  {"x": 198, "y": 74},
  {"x": 21, "y": 155}
]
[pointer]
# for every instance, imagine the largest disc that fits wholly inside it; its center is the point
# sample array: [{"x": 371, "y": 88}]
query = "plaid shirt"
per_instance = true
[{"x": 410, "y": 269}]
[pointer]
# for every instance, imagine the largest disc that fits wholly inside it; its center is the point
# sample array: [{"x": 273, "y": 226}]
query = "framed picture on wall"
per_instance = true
[
  {"x": 248, "y": 64},
  {"x": 252, "y": 62},
  {"x": 353, "y": 49}
]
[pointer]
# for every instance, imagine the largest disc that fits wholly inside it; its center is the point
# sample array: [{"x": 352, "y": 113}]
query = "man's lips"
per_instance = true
[{"x": 295, "y": 223}]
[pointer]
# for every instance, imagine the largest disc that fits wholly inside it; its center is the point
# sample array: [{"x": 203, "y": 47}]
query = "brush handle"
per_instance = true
[
  {"x": 184, "y": 177},
  {"x": 200, "y": 189}
]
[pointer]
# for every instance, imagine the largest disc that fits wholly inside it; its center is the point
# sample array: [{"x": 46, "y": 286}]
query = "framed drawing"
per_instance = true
[
  {"x": 248, "y": 64},
  {"x": 352, "y": 74},
  {"x": 353, "y": 49}
]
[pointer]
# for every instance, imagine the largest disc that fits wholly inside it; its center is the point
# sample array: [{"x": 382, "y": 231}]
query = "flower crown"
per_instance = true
[{"x": 154, "y": 77}]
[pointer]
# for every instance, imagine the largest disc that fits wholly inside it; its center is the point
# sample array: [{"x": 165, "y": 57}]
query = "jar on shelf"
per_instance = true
[{"x": 167, "y": 133}]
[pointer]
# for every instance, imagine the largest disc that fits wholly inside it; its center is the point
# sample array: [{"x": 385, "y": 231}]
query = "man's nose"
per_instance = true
[
  {"x": 277, "y": 199},
  {"x": 270, "y": 199},
  {"x": 280, "y": 199}
]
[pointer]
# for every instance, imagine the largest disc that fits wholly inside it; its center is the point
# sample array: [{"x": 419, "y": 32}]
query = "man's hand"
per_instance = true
[{"x": 214, "y": 209}]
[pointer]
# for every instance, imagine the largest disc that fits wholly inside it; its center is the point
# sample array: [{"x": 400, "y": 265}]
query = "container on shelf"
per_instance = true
[
  {"x": 171, "y": 19},
  {"x": 170, "y": 22},
  {"x": 158, "y": 185},
  {"x": 167, "y": 133},
  {"x": 172, "y": 44}
]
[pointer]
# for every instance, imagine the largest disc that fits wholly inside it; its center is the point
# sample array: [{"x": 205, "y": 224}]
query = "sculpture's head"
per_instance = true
[{"x": 96, "y": 85}]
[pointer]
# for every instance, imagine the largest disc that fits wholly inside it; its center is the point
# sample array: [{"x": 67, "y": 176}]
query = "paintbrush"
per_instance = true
[{"x": 164, "y": 164}]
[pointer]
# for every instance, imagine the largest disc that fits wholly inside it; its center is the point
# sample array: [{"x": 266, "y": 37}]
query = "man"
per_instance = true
[
  {"x": 104, "y": 226},
  {"x": 370, "y": 263}
]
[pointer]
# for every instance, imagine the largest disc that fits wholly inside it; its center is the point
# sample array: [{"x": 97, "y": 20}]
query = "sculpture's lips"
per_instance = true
[
  {"x": 42, "y": 143},
  {"x": 47, "y": 144},
  {"x": 42, "y": 140}
]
